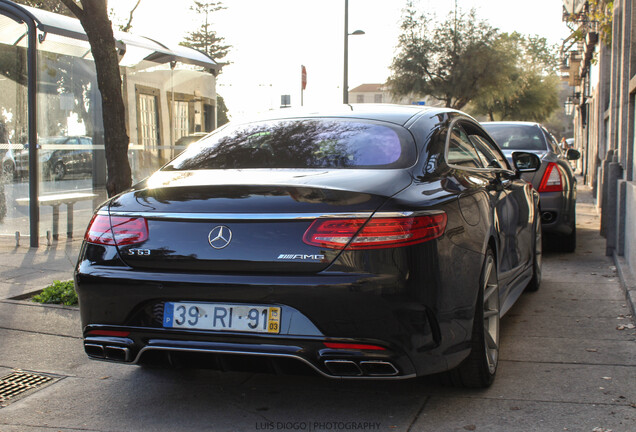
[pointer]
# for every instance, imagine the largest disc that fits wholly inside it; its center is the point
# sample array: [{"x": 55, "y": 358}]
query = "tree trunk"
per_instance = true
[{"x": 94, "y": 18}]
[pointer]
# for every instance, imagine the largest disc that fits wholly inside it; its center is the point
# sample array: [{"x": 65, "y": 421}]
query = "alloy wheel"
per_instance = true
[
  {"x": 491, "y": 314},
  {"x": 538, "y": 250}
]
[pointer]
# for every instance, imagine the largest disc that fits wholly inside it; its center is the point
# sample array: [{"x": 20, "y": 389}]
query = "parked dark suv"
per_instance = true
[{"x": 555, "y": 180}]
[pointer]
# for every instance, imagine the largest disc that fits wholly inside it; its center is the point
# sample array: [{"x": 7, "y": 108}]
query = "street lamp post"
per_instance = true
[{"x": 345, "y": 81}]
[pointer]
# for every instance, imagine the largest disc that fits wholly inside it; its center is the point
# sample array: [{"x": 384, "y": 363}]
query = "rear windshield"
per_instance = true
[
  {"x": 516, "y": 137},
  {"x": 304, "y": 143}
]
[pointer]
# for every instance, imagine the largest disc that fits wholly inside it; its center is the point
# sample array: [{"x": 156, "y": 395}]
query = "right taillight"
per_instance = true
[
  {"x": 551, "y": 181},
  {"x": 116, "y": 230},
  {"x": 377, "y": 233}
]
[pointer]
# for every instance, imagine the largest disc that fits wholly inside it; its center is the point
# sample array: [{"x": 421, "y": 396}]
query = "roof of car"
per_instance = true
[
  {"x": 512, "y": 123},
  {"x": 398, "y": 114}
]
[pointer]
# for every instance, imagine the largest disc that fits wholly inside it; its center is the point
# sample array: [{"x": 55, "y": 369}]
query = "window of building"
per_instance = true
[
  {"x": 181, "y": 119},
  {"x": 377, "y": 98},
  {"x": 148, "y": 115},
  {"x": 360, "y": 98}
]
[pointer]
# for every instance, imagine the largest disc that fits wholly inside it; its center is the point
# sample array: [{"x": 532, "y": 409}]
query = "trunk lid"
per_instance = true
[{"x": 246, "y": 221}]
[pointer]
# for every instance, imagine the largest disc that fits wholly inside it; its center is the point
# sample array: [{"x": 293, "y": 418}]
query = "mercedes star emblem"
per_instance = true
[{"x": 220, "y": 237}]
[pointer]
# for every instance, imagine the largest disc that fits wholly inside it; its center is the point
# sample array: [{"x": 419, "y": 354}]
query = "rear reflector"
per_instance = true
[
  {"x": 114, "y": 333},
  {"x": 124, "y": 230},
  {"x": 551, "y": 181},
  {"x": 336, "y": 345},
  {"x": 376, "y": 233}
]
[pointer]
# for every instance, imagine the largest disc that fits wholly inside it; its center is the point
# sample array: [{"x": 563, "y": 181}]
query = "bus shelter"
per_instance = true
[{"x": 51, "y": 130}]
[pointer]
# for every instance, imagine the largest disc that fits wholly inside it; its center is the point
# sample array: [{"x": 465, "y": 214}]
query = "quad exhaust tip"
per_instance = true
[
  {"x": 117, "y": 353},
  {"x": 372, "y": 368},
  {"x": 109, "y": 352},
  {"x": 94, "y": 350},
  {"x": 378, "y": 368},
  {"x": 343, "y": 368}
]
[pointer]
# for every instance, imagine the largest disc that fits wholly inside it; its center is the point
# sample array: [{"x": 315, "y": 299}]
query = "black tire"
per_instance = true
[
  {"x": 568, "y": 242},
  {"x": 537, "y": 259},
  {"x": 479, "y": 368},
  {"x": 59, "y": 171}
]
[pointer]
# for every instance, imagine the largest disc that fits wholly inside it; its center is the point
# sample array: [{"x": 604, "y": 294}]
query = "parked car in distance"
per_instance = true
[
  {"x": 59, "y": 156},
  {"x": 367, "y": 241},
  {"x": 189, "y": 139},
  {"x": 555, "y": 181}
]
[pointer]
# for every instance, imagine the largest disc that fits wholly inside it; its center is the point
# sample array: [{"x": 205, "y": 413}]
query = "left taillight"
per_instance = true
[
  {"x": 116, "y": 230},
  {"x": 377, "y": 233},
  {"x": 551, "y": 181}
]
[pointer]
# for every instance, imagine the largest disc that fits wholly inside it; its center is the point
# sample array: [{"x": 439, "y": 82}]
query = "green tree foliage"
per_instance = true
[
  {"x": 529, "y": 90},
  {"x": 205, "y": 38},
  {"x": 596, "y": 12},
  {"x": 221, "y": 111},
  {"x": 451, "y": 61}
]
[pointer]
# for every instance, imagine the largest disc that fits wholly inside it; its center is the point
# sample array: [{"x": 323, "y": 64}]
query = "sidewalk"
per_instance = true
[
  {"x": 24, "y": 270},
  {"x": 567, "y": 362}
]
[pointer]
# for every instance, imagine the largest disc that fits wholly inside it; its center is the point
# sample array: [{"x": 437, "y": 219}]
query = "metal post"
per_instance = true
[
  {"x": 34, "y": 205},
  {"x": 345, "y": 81}
]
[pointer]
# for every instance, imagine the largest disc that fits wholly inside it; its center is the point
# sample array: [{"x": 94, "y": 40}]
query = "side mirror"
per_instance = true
[
  {"x": 573, "y": 154},
  {"x": 525, "y": 162}
]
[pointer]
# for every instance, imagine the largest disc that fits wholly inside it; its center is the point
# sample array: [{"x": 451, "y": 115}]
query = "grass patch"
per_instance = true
[{"x": 58, "y": 293}]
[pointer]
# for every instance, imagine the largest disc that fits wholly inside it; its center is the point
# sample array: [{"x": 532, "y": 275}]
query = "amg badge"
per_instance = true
[{"x": 315, "y": 257}]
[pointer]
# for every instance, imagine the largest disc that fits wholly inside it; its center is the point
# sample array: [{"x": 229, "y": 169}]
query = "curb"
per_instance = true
[{"x": 628, "y": 282}]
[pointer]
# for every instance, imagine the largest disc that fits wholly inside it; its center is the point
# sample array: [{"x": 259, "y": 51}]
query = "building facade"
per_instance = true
[
  {"x": 602, "y": 66},
  {"x": 381, "y": 93}
]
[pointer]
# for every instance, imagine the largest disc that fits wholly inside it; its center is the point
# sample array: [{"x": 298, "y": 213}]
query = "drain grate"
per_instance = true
[{"x": 19, "y": 382}]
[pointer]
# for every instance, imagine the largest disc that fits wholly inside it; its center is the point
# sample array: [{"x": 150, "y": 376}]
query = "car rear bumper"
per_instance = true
[
  {"x": 423, "y": 329},
  {"x": 245, "y": 353},
  {"x": 557, "y": 213}
]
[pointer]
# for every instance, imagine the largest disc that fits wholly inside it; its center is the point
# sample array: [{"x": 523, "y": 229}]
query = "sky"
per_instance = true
[{"x": 271, "y": 39}]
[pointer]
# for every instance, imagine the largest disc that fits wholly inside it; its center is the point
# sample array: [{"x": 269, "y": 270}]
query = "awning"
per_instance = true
[{"x": 49, "y": 22}]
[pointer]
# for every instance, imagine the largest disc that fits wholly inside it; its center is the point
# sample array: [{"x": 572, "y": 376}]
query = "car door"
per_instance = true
[
  {"x": 519, "y": 205},
  {"x": 491, "y": 184}
]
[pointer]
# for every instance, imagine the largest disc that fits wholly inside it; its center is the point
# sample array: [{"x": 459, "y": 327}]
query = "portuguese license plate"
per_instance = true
[{"x": 224, "y": 317}]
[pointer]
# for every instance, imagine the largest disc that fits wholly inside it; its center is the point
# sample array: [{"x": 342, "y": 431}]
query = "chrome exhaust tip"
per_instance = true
[
  {"x": 343, "y": 368},
  {"x": 94, "y": 350},
  {"x": 117, "y": 353},
  {"x": 378, "y": 368}
]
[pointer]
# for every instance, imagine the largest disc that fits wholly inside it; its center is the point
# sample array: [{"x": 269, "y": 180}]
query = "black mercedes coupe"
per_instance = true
[{"x": 370, "y": 241}]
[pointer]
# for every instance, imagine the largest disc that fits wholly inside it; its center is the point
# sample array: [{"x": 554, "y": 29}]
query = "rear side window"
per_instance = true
[
  {"x": 460, "y": 150},
  {"x": 488, "y": 151},
  {"x": 552, "y": 142},
  {"x": 301, "y": 143},
  {"x": 517, "y": 137}
]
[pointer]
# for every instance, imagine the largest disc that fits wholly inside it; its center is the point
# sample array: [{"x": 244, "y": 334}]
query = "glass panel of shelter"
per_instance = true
[
  {"x": 71, "y": 156},
  {"x": 14, "y": 214}
]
